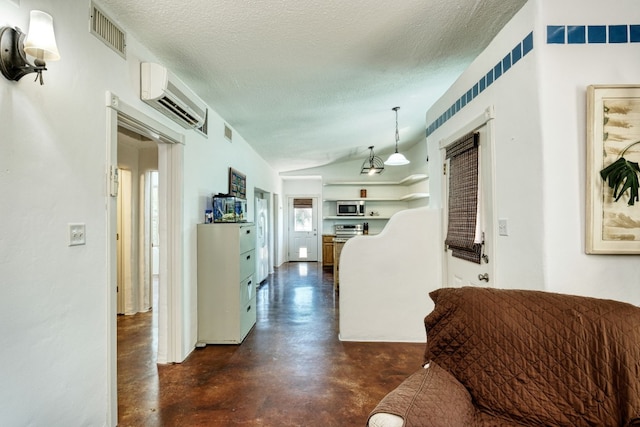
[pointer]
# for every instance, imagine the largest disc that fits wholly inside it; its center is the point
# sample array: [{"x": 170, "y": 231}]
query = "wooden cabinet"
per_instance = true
[
  {"x": 226, "y": 282},
  {"x": 327, "y": 250},
  {"x": 337, "y": 250}
]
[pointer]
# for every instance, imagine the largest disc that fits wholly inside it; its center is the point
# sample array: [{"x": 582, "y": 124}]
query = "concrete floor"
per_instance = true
[{"x": 291, "y": 370}]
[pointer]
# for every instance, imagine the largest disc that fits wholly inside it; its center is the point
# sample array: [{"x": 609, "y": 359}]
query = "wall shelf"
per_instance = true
[
  {"x": 385, "y": 198},
  {"x": 408, "y": 197},
  {"x": 359, "y": 218},
  {"x": 411, "y": 179}
]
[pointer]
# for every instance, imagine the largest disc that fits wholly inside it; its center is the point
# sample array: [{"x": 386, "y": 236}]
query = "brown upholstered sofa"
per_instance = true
[{"x": 522, "y": 358}]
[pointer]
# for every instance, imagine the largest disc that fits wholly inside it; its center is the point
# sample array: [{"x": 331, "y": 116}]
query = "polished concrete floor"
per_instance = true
[{"x": 291, "y": 370}]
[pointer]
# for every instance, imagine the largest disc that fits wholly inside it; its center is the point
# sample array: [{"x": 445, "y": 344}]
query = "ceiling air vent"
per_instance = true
[
  {"x": 106, "y": 30},
  {"x": 228, "y": 133}
]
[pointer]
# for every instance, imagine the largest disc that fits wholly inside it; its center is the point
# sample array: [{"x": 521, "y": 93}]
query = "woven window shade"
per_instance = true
[
  {"x": 463, "y": 198},
  {"x": 302, "y": 203}
]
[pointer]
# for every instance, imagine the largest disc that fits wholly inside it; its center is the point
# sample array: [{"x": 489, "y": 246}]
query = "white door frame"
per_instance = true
[
  {"x": 171, "y": 172},
  {"x": 486, "y": 118}
]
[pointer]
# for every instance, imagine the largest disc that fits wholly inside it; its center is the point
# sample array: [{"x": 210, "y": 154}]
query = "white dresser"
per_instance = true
[{"x": 226, "y": 282}]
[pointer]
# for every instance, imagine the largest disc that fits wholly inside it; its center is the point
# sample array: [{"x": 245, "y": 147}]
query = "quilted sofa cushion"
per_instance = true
[
  {"x": 431, "y": 397},
  {"x": 539, "y": 358}
]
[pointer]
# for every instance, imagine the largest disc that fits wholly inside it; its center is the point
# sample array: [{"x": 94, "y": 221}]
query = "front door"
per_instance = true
[
  {"x": 460, "y": 272},
  {"x": 303, "y": 229}
]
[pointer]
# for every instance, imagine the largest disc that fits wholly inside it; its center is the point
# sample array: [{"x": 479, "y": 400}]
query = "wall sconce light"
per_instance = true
[
  {"x": 40, "y": 43},
  {"x": 397, "y": 159}
]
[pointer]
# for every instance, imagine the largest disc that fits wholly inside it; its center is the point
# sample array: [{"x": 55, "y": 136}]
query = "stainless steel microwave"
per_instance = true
[{"x": 350, "y": 207}]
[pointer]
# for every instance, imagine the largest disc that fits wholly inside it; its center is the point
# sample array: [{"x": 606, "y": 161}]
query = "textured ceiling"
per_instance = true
[{"x": 310, "y": 82}]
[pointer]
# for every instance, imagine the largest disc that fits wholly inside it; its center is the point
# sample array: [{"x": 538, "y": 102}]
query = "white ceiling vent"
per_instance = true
[
  {"x": 167, "y": 94},
  {"x": 108, "y": 32}
]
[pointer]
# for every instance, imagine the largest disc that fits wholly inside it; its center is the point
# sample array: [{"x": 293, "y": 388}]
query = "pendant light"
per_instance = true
[
  {"x": 396, "y": 159},
  {"x": 372, "y": 165}
]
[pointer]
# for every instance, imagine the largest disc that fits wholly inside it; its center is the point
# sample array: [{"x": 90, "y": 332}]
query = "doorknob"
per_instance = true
[{"x": 483, "y": 277}]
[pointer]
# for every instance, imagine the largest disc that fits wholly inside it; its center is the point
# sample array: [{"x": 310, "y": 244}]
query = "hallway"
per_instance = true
[{"x": 291, "y": 370}]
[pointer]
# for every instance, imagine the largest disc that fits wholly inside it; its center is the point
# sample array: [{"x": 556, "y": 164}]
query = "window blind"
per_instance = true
[
  {"x": 302, "y": 203},
  {"x": 463, "y": 198}
]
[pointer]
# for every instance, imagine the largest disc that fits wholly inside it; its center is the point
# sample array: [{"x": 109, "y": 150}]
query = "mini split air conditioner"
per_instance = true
[{"x": 167, "y": 94}]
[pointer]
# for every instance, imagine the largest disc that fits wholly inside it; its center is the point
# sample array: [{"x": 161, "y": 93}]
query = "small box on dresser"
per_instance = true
[{"x": 226, "y": 284}]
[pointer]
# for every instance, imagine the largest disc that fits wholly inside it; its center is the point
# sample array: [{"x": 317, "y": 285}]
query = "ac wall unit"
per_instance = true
[{"x": 167, "y": 94}]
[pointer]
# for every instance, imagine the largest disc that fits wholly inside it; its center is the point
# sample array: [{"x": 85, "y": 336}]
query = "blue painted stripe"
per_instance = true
[
  {"x": 593, "y": 34},
  {"x": 504, "y": 65}
]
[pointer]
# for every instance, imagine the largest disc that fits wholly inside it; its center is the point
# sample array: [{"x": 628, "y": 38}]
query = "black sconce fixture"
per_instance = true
[{"x": 40, "y": 43}]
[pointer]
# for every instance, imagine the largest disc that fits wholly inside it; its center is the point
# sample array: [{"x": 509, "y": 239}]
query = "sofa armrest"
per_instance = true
[{"x": 430, "y": 397}]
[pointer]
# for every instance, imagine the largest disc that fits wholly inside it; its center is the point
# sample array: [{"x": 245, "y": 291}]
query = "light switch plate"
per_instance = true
[
  {"x": 502, "y": 227},
  {"x": 77, "y": 234}
]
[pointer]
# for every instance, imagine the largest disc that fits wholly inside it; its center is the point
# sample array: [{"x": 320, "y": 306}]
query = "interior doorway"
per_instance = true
[
  {"x": 138, "y": 219},
  {"x": 170, "y": 154}
]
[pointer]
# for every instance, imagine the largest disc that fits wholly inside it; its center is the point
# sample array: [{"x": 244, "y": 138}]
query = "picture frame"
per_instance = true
[
  {"x": 237, "y": 184},
  {"x": 613, "y": 131}
]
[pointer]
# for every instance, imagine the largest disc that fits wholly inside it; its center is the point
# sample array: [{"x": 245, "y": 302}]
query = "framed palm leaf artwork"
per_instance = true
[{"x": 613, "y": 174}]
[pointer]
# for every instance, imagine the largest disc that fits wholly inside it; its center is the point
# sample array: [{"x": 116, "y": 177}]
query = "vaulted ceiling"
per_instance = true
[{"x": 311, "y": 82}]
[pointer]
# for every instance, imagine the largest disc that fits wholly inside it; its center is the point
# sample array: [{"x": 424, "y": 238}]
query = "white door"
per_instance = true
[
  {"x": 459, "y": 272},
  {"x": 303, "y": 229},
  {"x": 262, "y": 239}
]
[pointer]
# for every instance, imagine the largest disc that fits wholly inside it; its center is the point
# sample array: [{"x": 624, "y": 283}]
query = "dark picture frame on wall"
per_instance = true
[{"x": 237, "y": 184}]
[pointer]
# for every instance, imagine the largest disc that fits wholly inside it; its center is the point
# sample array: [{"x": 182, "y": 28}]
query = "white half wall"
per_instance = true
[{"x": 385, "y": 279}]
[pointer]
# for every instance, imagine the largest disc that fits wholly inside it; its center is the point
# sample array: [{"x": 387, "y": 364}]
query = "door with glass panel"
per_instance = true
[{"x": 303, "y": 229}]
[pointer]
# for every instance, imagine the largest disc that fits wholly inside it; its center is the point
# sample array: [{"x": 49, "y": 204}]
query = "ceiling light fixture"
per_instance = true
[
  {"x": 396, "y": 159},
  {"x": 372, "y": 165},
  {"x": 40, "y": 43}
]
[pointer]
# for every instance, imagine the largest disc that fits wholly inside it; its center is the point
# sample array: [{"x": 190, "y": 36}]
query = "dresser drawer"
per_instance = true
[
  {"x": 247, "y": 238},
  {"x": 247, "y": 318},
  {"x": 247, "y": 264},
  {"x": 247, "y": 290}
]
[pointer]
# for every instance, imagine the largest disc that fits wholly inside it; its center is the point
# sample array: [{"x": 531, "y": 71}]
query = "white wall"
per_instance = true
[
  {"x": 207, "y": 164},
  {"x": 53, "y": 157},
  {"x": 539, "y": 148},
  {"x": 567, "y": 71},
  {"x": 516, "y": 149}
]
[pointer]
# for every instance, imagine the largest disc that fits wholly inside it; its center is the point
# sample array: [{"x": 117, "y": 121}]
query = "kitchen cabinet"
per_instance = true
[
  {"x": 327, "y": 250},
  {"x": 226, "y": 282}
]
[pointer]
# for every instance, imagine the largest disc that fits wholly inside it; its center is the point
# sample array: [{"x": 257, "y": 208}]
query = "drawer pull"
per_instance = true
[
  {"x": 248, "y": 309},
  {"x": 248, "y": 231},
  {"x": 248, "y": 256},
  {"x": 249, "y": 283}
]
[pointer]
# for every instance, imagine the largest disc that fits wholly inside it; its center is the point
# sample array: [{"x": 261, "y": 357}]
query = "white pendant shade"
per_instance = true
[
  {"x": 41, "y": 40},
  {"x": 396, "y": 159}
]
